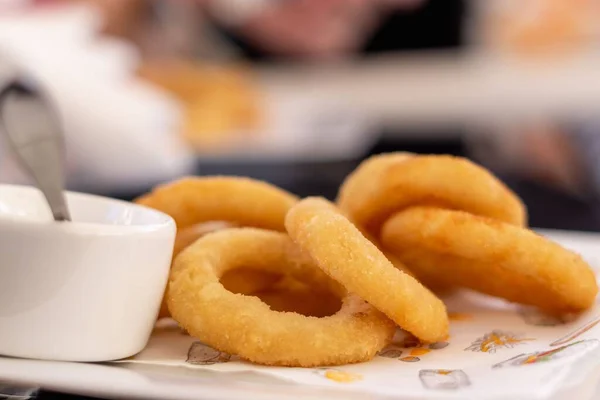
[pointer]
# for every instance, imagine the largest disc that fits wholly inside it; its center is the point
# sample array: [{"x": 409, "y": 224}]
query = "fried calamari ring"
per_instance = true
[
  {"x": 244, "y": 281},
  {"x": 195, "y": 201},
  {"x": 340, "y": 249},
  {"x": 246, "y": 326},
  {"x": 387, "y": 184},
  {"x": 248, "y": 282},
  {"x": 242, "y": 201},
  {"x": 492, "y": 257}
]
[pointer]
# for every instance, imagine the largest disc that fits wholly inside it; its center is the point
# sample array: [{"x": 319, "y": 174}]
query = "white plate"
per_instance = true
[{"x": 131, "y": 381}]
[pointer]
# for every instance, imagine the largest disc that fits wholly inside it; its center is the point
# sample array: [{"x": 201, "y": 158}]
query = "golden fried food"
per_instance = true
[
  {"x": 340, "y": 249},
  {"x": 242, "y": 201},
  {"x": 366, "y": 178},
  {"x": 293, "y": 295},
  {"x": 241, "y": 281},
  {"x": 492, "y": 257},
  {"x": 203, "y": 204},
  {"x": 184, "y": 238},
  {"x": 244, "y": 281},
  {"x": 246, "y": 326},
  {"x": 222, "y": 105},
  {"x": 392, "y": 183},
  {"x": 433, "y": 282},
  {"x": 387, "y": 183},
  {"x": 358, "y": 182},
  {"x": 281, "y": 293},
  {"x": 190, "y": 234},
  {"x": 283, "y": 281}
]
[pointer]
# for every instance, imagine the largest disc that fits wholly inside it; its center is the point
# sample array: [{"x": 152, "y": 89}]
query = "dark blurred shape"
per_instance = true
[
  {"x": 61, "y": 396},
  {"x": 437, "y": 24}
]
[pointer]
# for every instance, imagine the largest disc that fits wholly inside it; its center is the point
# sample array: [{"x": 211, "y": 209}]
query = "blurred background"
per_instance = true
[{"x": 298, "y": 92}]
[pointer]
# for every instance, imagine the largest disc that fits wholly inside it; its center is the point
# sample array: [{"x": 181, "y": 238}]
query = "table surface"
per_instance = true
[{"x": 548, "y": 208}]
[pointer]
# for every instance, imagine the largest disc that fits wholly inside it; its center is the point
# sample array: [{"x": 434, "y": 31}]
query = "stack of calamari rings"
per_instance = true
[{"x": 278, "y": 280}]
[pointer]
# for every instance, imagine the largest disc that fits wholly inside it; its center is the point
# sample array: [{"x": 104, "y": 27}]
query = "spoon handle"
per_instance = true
[{"x": 36, "y": 137}]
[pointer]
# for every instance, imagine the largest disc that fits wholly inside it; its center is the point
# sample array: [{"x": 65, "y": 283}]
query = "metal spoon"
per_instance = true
[{"x": 32, "y": 127}]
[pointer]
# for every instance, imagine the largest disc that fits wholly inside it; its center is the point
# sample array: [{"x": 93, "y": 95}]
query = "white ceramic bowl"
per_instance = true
[{"x": 87, "y": 290}]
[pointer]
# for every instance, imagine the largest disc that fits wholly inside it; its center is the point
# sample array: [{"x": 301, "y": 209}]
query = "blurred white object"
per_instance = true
[
  {"x": 122, "y": 134},
  {"x": 87, "y": 290}
]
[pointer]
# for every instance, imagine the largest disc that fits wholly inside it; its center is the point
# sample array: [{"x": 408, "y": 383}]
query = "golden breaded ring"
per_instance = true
[
  {"x": 242, "y": 281},
  {"x": 243, "y": 201},
  {"x": 246, "y": 326},
  {"x": 492, "y": 257},
  {"x": 389, "y": 184},
  {"x": 347, "y": 256},
  {"x": 199, "y": 204}
]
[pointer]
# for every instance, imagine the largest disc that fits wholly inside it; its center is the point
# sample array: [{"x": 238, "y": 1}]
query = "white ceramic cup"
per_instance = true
[{"x": 87, "y": 290}]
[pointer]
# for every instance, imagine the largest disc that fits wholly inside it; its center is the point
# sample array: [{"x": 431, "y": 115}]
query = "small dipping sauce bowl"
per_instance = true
[{"x": 88, "y": 290}]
